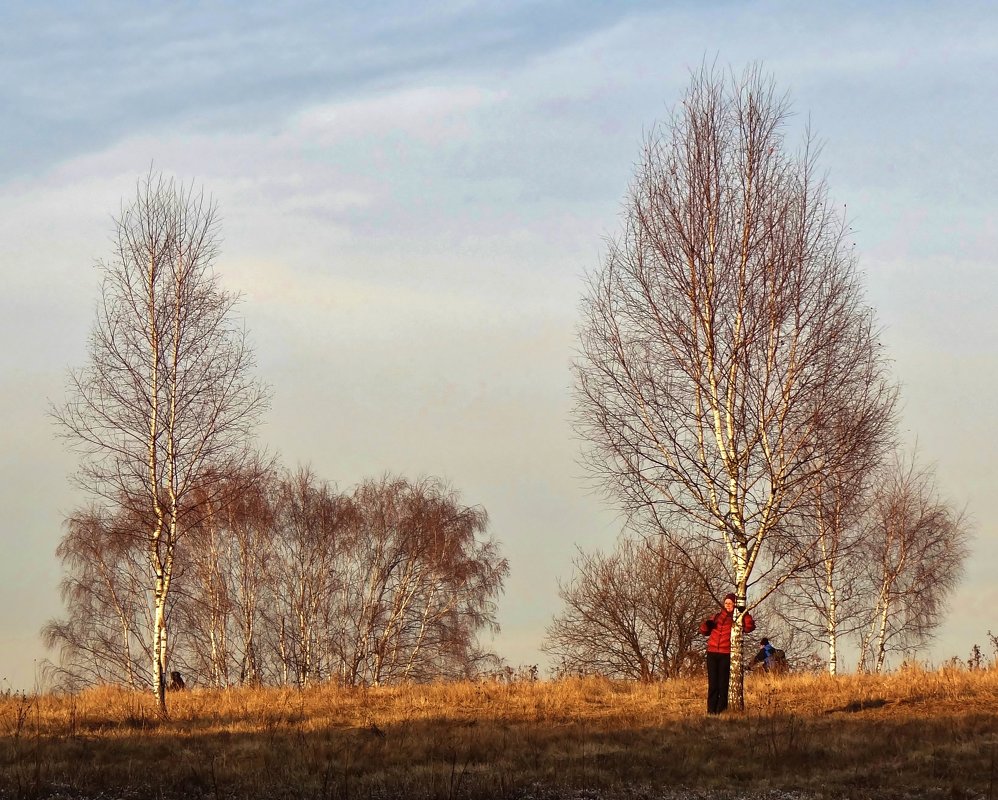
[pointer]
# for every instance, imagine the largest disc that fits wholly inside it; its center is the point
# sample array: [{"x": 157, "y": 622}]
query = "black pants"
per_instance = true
[{"x": 718, "y": 677}]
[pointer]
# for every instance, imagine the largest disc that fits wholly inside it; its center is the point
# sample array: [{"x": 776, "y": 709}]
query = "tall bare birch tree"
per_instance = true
[
  {"x": 166, "y": 405},
  {"x": 721, "y": 333}
]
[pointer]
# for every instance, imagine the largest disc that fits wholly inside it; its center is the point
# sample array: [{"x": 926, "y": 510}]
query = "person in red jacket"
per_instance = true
[{"x": 718, "y": 628}]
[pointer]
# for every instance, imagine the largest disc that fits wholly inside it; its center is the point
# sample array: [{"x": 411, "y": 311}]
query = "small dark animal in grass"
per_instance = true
[{"x": 176, "y": 682}]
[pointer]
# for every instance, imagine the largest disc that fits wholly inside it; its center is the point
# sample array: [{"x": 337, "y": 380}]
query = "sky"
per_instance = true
[{"x": 411, "y": 195}]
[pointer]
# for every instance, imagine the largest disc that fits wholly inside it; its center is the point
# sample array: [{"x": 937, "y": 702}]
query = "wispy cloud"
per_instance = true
[{"x": 78, "y": 77}]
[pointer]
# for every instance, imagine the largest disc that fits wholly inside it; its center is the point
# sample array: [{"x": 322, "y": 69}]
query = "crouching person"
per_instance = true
[
  {"x": 770, "y": 658},
  {"x": 718, "y": 629}
]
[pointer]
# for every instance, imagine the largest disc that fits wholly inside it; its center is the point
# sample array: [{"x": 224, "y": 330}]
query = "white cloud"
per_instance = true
[{"x": 430, "y": 114}]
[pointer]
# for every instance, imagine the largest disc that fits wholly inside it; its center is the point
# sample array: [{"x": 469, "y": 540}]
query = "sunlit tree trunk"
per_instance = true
[{"x": 832, "y": 627}]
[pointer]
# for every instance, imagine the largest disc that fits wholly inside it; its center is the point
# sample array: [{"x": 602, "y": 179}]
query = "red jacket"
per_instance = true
[{"x": 720, "y": 631}]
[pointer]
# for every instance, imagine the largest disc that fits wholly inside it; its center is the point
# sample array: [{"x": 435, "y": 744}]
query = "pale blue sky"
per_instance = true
[{"x": 410, "y": 198}]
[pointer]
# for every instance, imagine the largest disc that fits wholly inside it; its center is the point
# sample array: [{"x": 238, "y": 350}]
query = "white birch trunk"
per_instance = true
[
  {"x": 832, "y": 633},
  {"x": 831, "y": 619},
  {"x": 882, "y": 638},
  {"x": 736, "y": 687}
]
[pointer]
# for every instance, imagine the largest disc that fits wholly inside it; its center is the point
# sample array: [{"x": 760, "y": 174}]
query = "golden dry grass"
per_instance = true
[{"x": 912, "y": 733}]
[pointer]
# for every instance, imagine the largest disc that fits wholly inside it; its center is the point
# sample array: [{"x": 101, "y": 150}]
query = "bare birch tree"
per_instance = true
[
  {"x": 166, "y": 405},
  {"x": 719, "y": 335},
  {"x": 914, "y": 548},
  {"x": 249, "y": 522},
  {"x": 823, "y": 601},
  {"x": 824, "y": 598},
  {"x": 311, "y": 544},
  {"x": 224, "y": 582},
  {"x": 423, "y": 579}
]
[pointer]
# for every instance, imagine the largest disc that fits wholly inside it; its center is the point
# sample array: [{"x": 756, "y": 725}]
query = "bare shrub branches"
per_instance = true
[{"x": 632, "y": 613}]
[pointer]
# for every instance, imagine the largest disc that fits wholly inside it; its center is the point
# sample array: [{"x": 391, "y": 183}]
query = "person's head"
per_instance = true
[
  {"x": 729, "y": 601},
  {"x": 764, "y": 641}
]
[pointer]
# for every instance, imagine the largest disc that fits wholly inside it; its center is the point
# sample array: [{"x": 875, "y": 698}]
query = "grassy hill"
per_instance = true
[{"x": 912, "y": 733}]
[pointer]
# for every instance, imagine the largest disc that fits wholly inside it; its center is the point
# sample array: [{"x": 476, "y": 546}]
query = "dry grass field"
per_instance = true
[{"x": 909, "y": 734}]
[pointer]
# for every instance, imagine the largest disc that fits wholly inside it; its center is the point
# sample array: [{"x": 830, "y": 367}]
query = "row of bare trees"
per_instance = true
[
  {"x": 287, "y": 581},
  {"x": 733, "y": 391},
  {"x": 731, "y": 386},
  {"x": 878, "y": 577},
  {"x": 196, "y": 557},
  {"x": 886, "y": 562}
]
